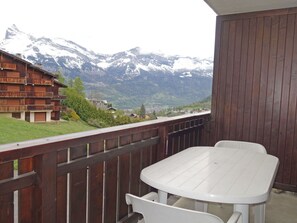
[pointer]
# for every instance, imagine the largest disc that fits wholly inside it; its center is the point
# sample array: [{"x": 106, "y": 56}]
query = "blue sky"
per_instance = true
[{"x": 182, "y": 27}]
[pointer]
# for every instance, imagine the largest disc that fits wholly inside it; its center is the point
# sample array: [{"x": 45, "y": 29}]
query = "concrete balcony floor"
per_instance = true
[{"x": 281, "y": 208}]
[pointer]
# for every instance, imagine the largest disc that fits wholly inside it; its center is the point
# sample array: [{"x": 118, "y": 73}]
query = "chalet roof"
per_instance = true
[
  {"x": 225, "y": 7},
  {"x": 60, "y": 84},
  {"x": 14, "y": 57}
]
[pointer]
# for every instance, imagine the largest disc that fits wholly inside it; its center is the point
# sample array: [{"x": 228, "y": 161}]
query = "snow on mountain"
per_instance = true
[
  {"x": 15, "y": 40},
  {"x": 186, "y": 63},
  {"x": 32, "y": 48},
  {"x": 69, "y": 55}
]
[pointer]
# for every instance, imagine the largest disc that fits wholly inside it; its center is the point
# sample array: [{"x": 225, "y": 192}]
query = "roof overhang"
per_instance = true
[{"x": 226, "y": 7}]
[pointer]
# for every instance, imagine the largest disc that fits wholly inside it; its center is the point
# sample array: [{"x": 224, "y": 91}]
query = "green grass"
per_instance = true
[{"x": 13, "y": 130}]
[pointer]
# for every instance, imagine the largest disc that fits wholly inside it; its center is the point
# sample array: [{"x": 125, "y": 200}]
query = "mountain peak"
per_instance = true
[
  {"x": 135, "y": 51},
  {"x": 12, "y": 31}
]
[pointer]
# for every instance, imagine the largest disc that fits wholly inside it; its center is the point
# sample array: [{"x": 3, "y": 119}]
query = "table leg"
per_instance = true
[
  {"x": 259, "y": 211},
  {"x": 201, "y": 206},
  {"x": 244, "y": 210},
  {"x": 162, "y": 196}
]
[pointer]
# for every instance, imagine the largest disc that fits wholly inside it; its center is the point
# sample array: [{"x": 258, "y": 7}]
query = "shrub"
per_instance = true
[{"x": 70, "y": 114}]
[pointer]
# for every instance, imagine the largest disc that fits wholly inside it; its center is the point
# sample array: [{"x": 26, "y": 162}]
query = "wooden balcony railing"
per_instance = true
[
  {"x": 8, "y": 66},
  {"x": 18, "y": 108},
  {"x": 39, "y": 81},
  {"x": 32, "y": 94},
  {"x": 12, "y": 108},
  {"x": 12, "y": 80},
  {"x": 39, "y": 107},
  {"x": 83, "y": 177},
  {"x": 28, "y": 94},
  {"x": 13, "y": 94},
  {"x": 58, "y": 97}
]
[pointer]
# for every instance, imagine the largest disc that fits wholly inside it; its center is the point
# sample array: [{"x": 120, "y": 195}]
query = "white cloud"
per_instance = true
[{"x": 184, "y": 27}]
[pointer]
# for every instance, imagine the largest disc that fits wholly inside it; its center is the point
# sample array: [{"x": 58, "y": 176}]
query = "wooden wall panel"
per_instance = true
[
  {"x": 62, "y": 190},
  {"x": 78, "y": 187},
  {"x": 96, "y": 182},
  {"x": 124, "y": 177},
  {"x": 6, "y": 201},
  {"x": 255, "y": 85},
  {"x": 111, "y": 174}
]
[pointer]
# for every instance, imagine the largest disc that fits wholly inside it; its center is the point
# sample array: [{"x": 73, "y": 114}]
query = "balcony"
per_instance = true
[
  {"x": 83, "y": 177},
  {"x": 39, "y": 107},
  {"x": 86, "y": 175},
  {"x": 8, "y": 66},
  {"x": 32, "y": 94},
  {"x": 39, "y": 81},
  {"x": 12, "y": 94},
  {"x": 59, "y": 97},
  {"x": 12, "y": 108},
  {"x": 12, "y": 80},
  {"x": 27, "y": 94}
]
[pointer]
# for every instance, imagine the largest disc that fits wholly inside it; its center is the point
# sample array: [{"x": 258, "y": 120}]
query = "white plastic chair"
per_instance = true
[
  {"x": 259, "y": 209},
  {"x": 241, "y": 145},
  {"x": 154, "y": 212}
]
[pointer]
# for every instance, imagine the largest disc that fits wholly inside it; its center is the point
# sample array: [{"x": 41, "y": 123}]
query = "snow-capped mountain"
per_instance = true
[{"x": 136, "y": 76}]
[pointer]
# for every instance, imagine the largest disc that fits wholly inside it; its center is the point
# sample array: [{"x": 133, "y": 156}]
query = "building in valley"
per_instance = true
[{"x": 27, "y": 91}]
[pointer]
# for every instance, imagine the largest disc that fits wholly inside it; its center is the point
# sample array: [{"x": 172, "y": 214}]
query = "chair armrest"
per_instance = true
[{"x": 235, "y": 218}]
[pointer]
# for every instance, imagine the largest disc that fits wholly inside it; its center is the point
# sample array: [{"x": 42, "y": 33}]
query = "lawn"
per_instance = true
[{"x": 13, "y": 130}]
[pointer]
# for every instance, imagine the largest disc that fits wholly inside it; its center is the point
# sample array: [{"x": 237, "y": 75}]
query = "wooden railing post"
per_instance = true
[
  {"x": 162, "y": 147},
  {"x": 6, "y": 201},
  {"x": 44, "y": 195}
]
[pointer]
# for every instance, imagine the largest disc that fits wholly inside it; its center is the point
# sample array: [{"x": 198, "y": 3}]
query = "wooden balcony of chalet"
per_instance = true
[
  {"x": 8, "y": 66},
  {"x": 32, "y": 94},
  {"x": 13, "y": 94},
  {"x": 12, "y": 80},
  {"x": 58, "y": 97},
  {"x": 25, "y": 94},
  {"x": 12, "y": 108},
  {"x": 39, "y": 107},
  {"x": 83, "y": 177},
  {"x": 39, "y": 81}
]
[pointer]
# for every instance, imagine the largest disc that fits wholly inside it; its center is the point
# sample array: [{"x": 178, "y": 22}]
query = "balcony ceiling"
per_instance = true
[{"x": 225, "y": 7}]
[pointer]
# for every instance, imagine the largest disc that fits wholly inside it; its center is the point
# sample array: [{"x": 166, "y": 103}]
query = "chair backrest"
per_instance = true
[
  {"x": 242, "y": 145},
  {"x": 154, "y": 212}
]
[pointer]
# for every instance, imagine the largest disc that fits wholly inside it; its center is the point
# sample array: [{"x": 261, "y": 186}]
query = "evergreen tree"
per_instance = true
[
  {"x": 154, "y": 115},
  {"x": 142, "y": 111}
]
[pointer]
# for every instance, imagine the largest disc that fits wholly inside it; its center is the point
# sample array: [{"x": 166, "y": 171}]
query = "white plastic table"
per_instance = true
[{"x": 222, "y": 175}]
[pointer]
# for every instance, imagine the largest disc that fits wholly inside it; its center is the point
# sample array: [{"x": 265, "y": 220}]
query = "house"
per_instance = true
[
  {"x": 102, "y": 104},
  {"x": 28, "y": 92}
]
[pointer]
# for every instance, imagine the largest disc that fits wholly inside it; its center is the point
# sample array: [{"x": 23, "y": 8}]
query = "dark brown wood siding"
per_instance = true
[{"x": 255, "y": 85}]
